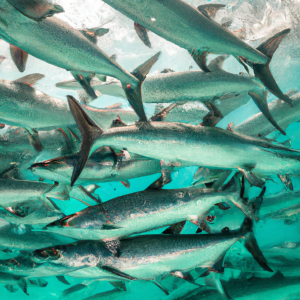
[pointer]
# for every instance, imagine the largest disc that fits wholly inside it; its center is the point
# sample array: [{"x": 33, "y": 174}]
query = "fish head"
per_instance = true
[
  {"x": 216, "y": 218},
  {"x": 57, "y": 169}
]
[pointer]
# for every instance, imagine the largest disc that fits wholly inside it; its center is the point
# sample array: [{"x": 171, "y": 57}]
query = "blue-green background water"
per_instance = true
[{"x": 261, "y": 19}]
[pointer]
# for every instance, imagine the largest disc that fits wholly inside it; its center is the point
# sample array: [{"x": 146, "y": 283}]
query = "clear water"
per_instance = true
[{"x": 260, "y": 19}]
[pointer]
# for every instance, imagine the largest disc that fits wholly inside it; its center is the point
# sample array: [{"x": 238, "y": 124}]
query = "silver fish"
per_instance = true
[
  {"x": 182, "y": 142},
  {"x": 19, "y": 95},
  {"x": 147, "y": 210},
  {"x": 201, "y": 35},
  {"x": 103, "y": 166},
  {"x": 151, "y": 256},
  {"x": 71, "y": 49}
]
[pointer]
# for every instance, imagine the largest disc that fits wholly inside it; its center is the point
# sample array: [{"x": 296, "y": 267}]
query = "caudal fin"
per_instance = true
[
  {"x": 252, "y": 246},
  {"x": 89, "y": 131},
  {"x": 133, "y": 89},
  {"x": 263, "y": 72}
]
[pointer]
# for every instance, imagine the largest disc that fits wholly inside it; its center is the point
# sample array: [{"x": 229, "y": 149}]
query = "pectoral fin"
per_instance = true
[
  {"x": 92, "y": 33},
  {"x": 63, "y": 280},
  {"x": 262, "y": 104},
  {"x": 217, "y": 63},
  {"x": 120, "y": 285},
  {"x": 200, "y": 59},
  {"x": 19, "y": 57},
  {"x": 185, "y": 276},
  {"x": 23, "y": 285},
  {"x": 175, "y": 228},
  {"x": 36, "y": 9},
  {"x": 286, "y": 180},
  {"x": 31, "y": 79},
  {"x": 210, "y": 10},
  {"x": 117, "y": 272},
  {"x": 85, "y": 81},
  {"x": 143, "y": 34},
  {"x": 252, "y": 178}
]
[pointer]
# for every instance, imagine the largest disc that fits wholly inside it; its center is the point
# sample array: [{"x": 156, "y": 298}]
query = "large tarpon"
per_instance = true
[
  {"x": 23, "y": 105},
  {"x": 151, "y": 256},
  {"x": 147, "y": 210},
  {"x": 194, "y": 30},
  {"x": 71, "y": 49},
  {"x": 194, "y": 145}
]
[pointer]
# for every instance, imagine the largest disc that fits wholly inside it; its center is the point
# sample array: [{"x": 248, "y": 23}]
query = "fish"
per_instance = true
[
  {"x": 73, "y": 50},
  {"x": 37, "y": 213},
  {"x": 201, "y": 86},
  {"x": 150, "y": 256},
  {"x": 15, "y": 191},
  {"x": 147, "y": 210},
  {"x": 104, "y": 165},
  {"x": 201, "y": 35},
  {"x": 278, "y": 285},
  {"x": 110, "y": 87},
  {"x": 20, "y": 95},
  {"x": 179, "y": 142},
  {"x": 270, "y": 207},
  {"x": 22, "y": 238},
  {"x": 283, "y": 257},
  {"x": 282, "y": 113}
]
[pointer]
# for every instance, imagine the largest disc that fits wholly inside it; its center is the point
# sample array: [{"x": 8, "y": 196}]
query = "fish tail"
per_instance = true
[
  {"x": 252, "y": 246},
  {"x": 133, "y": 89},
  {"x": 89, "y": 131},
  {"x": 263, "y": 72}
]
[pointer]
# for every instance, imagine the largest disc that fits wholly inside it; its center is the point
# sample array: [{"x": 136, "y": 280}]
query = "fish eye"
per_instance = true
[{"x": 210, "y": 218}]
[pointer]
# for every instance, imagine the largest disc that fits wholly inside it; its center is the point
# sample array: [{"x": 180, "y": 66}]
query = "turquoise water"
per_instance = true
[{"x": 277, "y": 237}]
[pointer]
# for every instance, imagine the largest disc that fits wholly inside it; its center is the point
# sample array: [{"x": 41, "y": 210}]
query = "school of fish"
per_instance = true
[{"x": 192, "y": 240}]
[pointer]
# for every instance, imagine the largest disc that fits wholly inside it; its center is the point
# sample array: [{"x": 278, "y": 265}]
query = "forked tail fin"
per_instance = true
[
  {"x": 89, "y": 131},
  {"x": 252, "y": 246},
  {"x": 263, "y": 72},
  {"x": 133, "y": 89}
]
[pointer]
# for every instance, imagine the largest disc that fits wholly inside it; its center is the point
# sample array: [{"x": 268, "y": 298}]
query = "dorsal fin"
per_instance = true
[
  {"x": 217, "y": 63},
  {"x": 115, "y": 106},
  {"x": 93, "y": 33},
  {"x": 31, "y": 79},
  {"x": 142, "y": 32},
  {"x": 19, "y": 57},
  {"x": 157, "y": 184},
  {"x": 210, "y": 10},
  {"x": 142, "y": 70}
]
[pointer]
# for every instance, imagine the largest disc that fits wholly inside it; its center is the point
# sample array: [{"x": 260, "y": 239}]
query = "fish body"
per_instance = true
[
  {"x": 142, "y": 211},
  {"x": 110, "y": 88},
  {"x": 101, "y": 167},
  {"x": 25, "y": 106},
  {"x": 201, "y": 146},
  {"x": 195, "y": 86},
  {"x": 31, "y": 213},
  {"x": 17, "y": 238},
  {"x": 14, "y": 191},
  {"x": 71, "y": 49},
  {"x": 183, "y": 25},
  {"x": 282, "y": 113}
]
